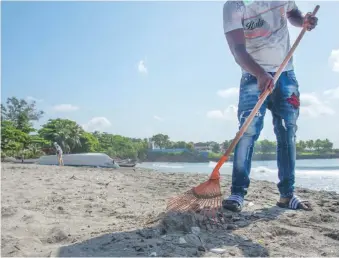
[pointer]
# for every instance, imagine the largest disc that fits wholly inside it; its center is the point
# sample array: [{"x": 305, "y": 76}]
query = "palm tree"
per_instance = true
[{"x": 65, "y": 132}]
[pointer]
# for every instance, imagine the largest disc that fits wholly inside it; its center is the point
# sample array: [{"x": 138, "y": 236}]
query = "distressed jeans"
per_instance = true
[{"x": 284, "y": 106}]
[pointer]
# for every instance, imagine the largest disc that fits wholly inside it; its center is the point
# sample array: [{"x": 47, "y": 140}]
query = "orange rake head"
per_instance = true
[
  {"x": 205, "y": 199},
  {"x": 205, "y": 195}
]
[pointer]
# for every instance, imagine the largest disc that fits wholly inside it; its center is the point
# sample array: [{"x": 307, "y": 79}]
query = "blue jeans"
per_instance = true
[{"x": 284, "y": 105}]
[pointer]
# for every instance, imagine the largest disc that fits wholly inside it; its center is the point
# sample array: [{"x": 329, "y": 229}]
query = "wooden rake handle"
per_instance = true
[{"x": 216, "y": 174}]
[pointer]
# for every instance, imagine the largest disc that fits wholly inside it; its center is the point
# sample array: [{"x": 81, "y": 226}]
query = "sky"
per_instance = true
[{"x": 142, "y": 68}]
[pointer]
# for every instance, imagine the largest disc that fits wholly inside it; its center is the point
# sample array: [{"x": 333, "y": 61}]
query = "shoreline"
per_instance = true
[
  {"x": 189, "y": 158},
  {"x": 183, "y": 159},
  {"x": 76, "y": 211}
]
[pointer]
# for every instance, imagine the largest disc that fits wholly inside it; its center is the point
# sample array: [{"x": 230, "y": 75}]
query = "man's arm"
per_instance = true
[
  {"x": 234, "y": 32},
  {"x": 233, "y": 12},
  {"x": 237, "y": 45},
  {"x": 297, "y": 19}
]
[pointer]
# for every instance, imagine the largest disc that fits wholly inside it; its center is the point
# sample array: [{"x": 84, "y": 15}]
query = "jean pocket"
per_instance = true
[{"x": 247, "y": 79}]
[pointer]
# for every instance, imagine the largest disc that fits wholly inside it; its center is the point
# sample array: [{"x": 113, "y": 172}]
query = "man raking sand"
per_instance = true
[
  {"x": 59, "y": 153},
  {"x": 258, "y": 37}
]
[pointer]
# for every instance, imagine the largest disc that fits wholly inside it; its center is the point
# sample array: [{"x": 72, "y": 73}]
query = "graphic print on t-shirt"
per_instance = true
[
  {"x": 264, "y": 23},
  {"x": 265, "y": 29}
]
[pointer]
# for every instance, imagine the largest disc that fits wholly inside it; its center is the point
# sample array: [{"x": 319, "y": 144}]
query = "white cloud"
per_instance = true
[
  {"x": 97, "y": 124},
  {"x": 65, "y": 108},
  {"x": 158, "y": 118},
  {"x": 30, "y": 98},
  {"x": 312, "y": 106},
  {"x": 228, "y": 114},
  {"x": 332, "y": 93},
  {"x": 215, "y": 114},
  {"x": 334, "y": 60},
  {"x": 228, "y": 92},
  {"x": 142, "y": 67}
]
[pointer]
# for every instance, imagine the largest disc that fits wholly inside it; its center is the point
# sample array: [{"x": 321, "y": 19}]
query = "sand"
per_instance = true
[{"x": 54, "y": 211}]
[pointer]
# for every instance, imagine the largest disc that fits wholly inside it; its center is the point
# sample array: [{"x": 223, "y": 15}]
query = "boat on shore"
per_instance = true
[
  {"x": 81, "y": 160},
  {"x": 131, "y": 165},
  {"x": 128, "y": 163}
]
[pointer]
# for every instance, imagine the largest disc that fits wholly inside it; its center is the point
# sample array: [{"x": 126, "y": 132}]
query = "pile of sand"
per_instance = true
[{"x": 65, "y": 211}]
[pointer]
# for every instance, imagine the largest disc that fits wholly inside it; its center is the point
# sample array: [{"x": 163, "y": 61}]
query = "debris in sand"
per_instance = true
[
  {"x": 138, "y": 249},
  {"x": 182, "y": 241},
  {"x": 193, "y": 240},
  {"x": 179, "y": 222},
  {"x": 218, "y": 250},
  {"x": 201, "y": 249},
  {"x": 231, "y": 227},
  {"x": 153, "y": 254},
  {"x": 8, "y": 211},
  {"x": 56, "y": 235},
  {"x": 195, "y": 230}
]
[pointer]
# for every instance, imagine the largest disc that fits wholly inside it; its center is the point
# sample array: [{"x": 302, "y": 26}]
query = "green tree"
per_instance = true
[
  {"x": 216, "y": 148},
  {"x": 65, "y": 132},
  {"x": 117, "y": 146},
  {"x": 161, "y": 140},
  {"x": 141, "y": 147},
  {"x": 266, "y": 146},
  {"x": 33, "y": 151},
  {"x": 190, "y": 146},
  {"x": 310, "y": 144},
  {"x": 179, "y": 145},
  {"x": 301, "y": 146},
  {"x": 12, "y": 139},
  {"x": 226, "y": 144},
  {"x": 122, "y": 147},
  {"x": 317, "y": 145},
  {"x": 38, "y": 141},
  {"x": 20, "y": 113},
  {"x": 88, "y": 143},
  {"x": 327, "y": 145},
  {"x": 105, "y": 140}
]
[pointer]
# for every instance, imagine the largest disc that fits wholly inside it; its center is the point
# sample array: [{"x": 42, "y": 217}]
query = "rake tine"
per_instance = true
[
  {"x": 195, "y": 205},
  {"x": 211, "y": 223},
  {"x": 188, "y": 204},
  {"x": 175, "y": 199},
  {"x": 216, "y": 211},
  {"x": 181, "y": 197},
  {"x": 203, "y": 213},
  {"x": 209, "y": 218},
  {"x": 182, "y": 201},
  {"x": 215, "y": 217}
]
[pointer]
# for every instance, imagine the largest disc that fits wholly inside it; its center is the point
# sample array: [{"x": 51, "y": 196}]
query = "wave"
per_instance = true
[
  {"x": 318, "y": 168},
  {"x": 318, "y": 172},
  {"x": 263, "y": 169},
  {"x": 300, "y": 172}
]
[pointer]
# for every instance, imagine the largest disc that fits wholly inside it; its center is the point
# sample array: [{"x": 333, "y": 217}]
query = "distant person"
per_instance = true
[
  {"x": 258, "y": 37},
  {"x": 59, "y": 153}
]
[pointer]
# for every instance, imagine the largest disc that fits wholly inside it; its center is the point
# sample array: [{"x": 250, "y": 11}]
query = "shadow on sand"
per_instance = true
[{"x": 173, "y": 237}]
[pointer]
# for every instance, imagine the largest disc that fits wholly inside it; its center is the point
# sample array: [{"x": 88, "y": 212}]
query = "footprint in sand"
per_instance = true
[
  {"x": 8, "y": 211},
  {"x": 333, "y": 235},
  {"x": 56, "y": 235}
]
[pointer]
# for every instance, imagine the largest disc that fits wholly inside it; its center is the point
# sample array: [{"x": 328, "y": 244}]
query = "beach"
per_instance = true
[{"x": 50, "y": 211}]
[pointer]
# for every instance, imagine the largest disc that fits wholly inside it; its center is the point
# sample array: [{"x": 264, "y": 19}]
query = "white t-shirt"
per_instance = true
[
  {"x": 265, "y": 29},
  {"x": 58, "y": 149}
]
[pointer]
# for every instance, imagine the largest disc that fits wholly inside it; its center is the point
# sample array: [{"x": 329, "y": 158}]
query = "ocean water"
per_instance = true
[{"x": 319, "y": 174}]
